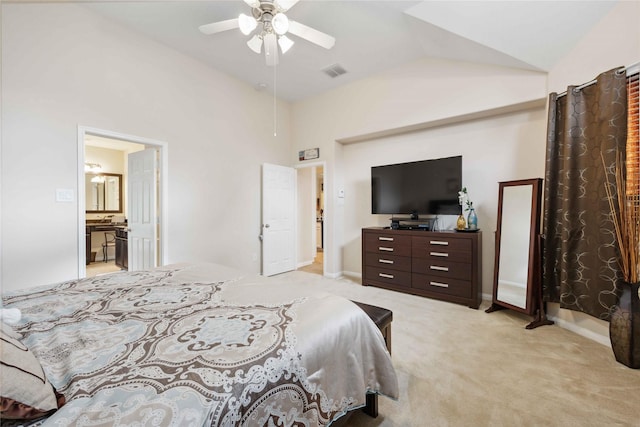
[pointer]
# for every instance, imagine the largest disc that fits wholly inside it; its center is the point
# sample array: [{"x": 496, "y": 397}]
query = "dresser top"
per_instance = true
[{"x": 418, "y": 232}]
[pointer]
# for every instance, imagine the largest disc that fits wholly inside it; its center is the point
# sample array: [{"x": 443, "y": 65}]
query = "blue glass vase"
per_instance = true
[{"x": 472, "y": 220}]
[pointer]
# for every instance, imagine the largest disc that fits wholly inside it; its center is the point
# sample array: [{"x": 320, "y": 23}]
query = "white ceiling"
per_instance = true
[{"x": 371, "y": 36}]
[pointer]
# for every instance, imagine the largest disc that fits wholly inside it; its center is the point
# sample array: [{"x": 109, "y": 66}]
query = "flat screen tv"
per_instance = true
[{"x": 415, "y": 188}]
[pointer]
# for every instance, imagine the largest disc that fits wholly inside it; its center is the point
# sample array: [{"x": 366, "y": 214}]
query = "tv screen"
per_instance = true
[{"x": 424, "y": 187}]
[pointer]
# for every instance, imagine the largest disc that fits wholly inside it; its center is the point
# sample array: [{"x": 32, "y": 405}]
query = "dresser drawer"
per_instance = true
[
  {"x": 442, "y": 248},
  {"x": 442, "y": 268},
  {"x": 387, "y": 244},
  {"x": 386, "y": 261},
  {"x": 442, "y": 285},
  {"x": 388, "y": 276}
]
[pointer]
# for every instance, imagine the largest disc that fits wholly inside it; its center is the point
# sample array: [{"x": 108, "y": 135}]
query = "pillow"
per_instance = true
[
  {"x": 8, "y": 329},
  {"x": 25, "y": 391}
]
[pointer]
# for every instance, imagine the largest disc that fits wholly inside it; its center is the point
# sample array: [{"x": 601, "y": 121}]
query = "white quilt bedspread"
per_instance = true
[{"x": 200, "y": 345}]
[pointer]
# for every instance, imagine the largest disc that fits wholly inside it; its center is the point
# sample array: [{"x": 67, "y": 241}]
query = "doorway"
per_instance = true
[
  {"x": 311, "y": 218},
  {"x": 107, "y": 153}
]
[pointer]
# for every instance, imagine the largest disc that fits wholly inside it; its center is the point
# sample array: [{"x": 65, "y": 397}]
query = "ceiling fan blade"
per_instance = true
[
  {"x": 218, "y": 27},
  {"x": 271, "y": 49},
  {"x": 311, "y": 34},
  {"x": 284, "y": 5},
  {"x": 253, "y": 3}
]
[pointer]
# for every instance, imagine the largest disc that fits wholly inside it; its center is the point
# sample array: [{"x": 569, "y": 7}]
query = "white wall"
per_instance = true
[
  {"x": 495, "y": 149},
  {"x": 421, "y": 93},
  {"x": 613, "y": 42},
  {"x": 63, "y": 67}
]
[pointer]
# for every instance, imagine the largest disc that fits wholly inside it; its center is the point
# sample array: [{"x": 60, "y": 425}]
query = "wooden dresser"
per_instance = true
[{"x": 444, "y": 265}]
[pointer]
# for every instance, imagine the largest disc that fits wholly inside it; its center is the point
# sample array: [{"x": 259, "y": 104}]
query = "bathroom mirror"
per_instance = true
[
  {"x": 103, "y": 192},
  {"x": 517, "y": 262}
]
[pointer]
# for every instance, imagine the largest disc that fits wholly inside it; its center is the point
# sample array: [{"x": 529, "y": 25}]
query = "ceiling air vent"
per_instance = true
[{"x": 334, "y": 71}]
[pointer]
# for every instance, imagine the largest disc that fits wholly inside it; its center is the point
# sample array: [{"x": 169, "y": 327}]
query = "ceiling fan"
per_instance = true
[{"x": 268, "y": 16}]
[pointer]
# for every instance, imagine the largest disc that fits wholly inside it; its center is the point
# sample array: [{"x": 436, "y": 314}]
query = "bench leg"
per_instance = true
[
  {"x": 386, "y": 333},
  {"x": 371, "y": 407}
]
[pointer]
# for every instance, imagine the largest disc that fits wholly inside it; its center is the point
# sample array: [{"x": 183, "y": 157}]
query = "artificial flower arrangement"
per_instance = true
[
  {"x": 472, "y": 219},
  {"x": 463, "y": 197}
]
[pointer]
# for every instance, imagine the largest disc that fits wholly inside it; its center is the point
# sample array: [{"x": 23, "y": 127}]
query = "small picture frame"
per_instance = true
[{"x": 309, "y": 154}]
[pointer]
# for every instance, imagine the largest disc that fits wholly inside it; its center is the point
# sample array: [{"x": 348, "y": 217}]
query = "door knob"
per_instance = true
[{"x": 266, "y": 226}]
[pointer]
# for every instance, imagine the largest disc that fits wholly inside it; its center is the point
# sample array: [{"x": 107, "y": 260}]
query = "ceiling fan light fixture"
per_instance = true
[
  {"x": 274, "y": 25},
  {"x": 247, "y": 23},
  {"x": 285, "y": 43},
  {"x": 280, "y": 24},
  {"x": 285, "y": 4},
  {"x": 255, "y": 43}
]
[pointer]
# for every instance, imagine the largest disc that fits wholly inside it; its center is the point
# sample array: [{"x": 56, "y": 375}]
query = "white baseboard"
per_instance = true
[
  {"x": 304, "y": 264},
  {"x": 353, "y": 274},
  {"x": 333, "y": 275},
  {"x": 601, "y": 339},
  {"x": 570, "y": 326}
]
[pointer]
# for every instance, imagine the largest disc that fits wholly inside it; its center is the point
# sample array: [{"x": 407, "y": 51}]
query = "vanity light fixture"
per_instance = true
[{"x": 92, "y": 167}]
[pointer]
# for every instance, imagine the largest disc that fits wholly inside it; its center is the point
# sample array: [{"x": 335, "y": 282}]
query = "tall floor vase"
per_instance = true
[{"x": 624, "y": 326}]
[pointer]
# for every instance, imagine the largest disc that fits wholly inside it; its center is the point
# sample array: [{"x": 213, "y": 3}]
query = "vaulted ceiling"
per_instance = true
[{"x": 371, "y": 36}]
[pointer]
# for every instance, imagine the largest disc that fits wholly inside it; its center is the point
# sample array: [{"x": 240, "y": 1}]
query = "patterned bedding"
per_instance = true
[{"x": 200, "y": 345}]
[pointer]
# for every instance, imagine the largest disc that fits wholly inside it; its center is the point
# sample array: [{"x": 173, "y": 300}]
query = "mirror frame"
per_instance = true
[
  {"x": 533, "y": 273},
  {"x": 119, "y": 191}
]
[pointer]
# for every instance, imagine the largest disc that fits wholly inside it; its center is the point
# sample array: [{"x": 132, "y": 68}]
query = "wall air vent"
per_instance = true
[{"x": 334, "y": 70}]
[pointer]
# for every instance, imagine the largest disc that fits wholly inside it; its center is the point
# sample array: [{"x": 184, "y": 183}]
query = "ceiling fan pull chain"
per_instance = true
[{"x": 275, "y": 107}]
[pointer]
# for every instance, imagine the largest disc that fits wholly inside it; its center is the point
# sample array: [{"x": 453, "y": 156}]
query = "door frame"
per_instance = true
[
  {"x": 325, "y": 250},
  {"x": 163, "y": 192}
]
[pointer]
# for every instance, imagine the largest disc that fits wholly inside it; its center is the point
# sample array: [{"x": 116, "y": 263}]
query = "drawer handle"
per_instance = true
[
  {"x": 438, "y": 284},
  {"x": 438, "y": 268},
  {"x": 386, "y": 276},
  {"x": 385, "y": 261},
  {"x": 386, "y": 239},
  {"x": 439, "y": 242},
  {"x": 382, "y": 248},
  {"x": 444, "y": 254}
]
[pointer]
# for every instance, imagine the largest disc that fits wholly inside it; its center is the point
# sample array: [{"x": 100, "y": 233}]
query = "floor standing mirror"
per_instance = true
[{"x": 517, "y": 274}]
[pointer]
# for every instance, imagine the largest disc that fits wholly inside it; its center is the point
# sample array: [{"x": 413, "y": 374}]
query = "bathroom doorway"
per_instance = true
[{"x": 103, "y": 243}]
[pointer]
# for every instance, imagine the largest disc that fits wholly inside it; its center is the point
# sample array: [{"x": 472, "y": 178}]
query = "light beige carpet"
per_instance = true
[{"x": 463, "y": 367}]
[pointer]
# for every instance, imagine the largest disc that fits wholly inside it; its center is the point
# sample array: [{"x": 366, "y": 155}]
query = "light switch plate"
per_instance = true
[
  {"x": 341, "y": 194},
  {"x": 64, "y": 195}
]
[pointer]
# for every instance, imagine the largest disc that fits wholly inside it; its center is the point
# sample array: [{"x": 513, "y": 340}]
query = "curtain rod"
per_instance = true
[{"x": 633, "y": 67}]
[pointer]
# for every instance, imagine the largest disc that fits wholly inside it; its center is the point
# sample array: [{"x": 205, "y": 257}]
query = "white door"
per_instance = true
[
  {"x": 278, "y": 219},
  {"x": 142, "y": 218}
]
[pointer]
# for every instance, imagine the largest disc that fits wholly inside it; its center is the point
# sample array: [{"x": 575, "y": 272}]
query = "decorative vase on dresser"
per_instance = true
[
  {"x": 624, "y": 326},
  {"x": 472, "y": 220}
]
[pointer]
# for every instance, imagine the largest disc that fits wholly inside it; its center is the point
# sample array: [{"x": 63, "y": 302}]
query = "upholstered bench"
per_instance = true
[{"x": 382, "y": 318}]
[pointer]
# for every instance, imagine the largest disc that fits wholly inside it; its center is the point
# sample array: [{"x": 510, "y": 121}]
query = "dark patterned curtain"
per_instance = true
[{"x": 580, "y": 267}]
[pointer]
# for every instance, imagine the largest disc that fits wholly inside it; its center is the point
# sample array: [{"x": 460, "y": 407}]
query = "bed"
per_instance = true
[{"x": 196, "y": 345}]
